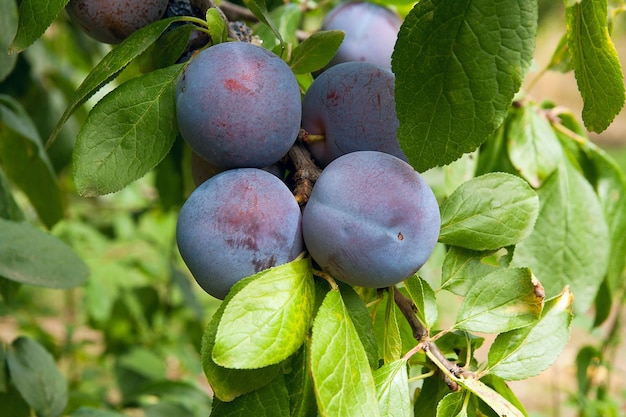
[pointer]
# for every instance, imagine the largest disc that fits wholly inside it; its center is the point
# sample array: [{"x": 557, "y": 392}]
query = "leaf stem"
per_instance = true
[{"x": 327, "y": 277}]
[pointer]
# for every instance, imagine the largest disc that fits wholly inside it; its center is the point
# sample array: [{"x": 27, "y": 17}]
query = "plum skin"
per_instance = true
[
  {"x": 235, "y": 224},
  {"x": 112, "y": 21},
  {"x": 371, "y": 220},
  {"x": 353, "y": 105},
  {"x": 238, "y": 105},
  {"x": 370, "y": 32}
]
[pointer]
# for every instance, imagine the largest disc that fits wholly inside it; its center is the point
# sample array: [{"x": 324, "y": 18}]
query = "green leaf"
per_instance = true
[
  {"x": 463, "y": 267},
  {"x": 533, "y": 147},
  {"x": 489, "y": 212},
  {"x": 168, "y": 49},
  {"x": 110, "y": 66},
  {"x": 37, "y": 378},
  {"x": 268, "y": 320},
  {"x": 270, "y": 401},
  {"x": 454, "y": 405},
  {"x": 500, "y": 386},
  {"x": 26, "y": 163},
  {"x": 94, "y": 412},
  {"x": 501, "y": 301},
  {"x": 433, "y": 390},
  {"x": 569, "y": 243},
  {"x": 8, "y": 26},
  {"x": 344, "y": 385},
  {"x": 127, "y": 133},
  {"x": 12, "y": 404},
  {"x": 259, "y": 9},
  {"x": 561, "y": 59},
  {"x": 31, "y": 256},
  {"x": 9, "y": 209},
  {"x": 526, "y": 352},
  {"x": 497, "y": 402},
  {"x": 457, "y": 70},
  {"x": 596, "y": 64},
  {"x": 360, "y": 317},
  {"x": 392, "y": 388},
  {"x": 286, "y": 19},
  {"x": 35, "y": 17},
  {"x": 228, "y": 384},
  {"x": 300, "y": 384},
  {"x": 610, "y": 186},
  {"x": 218, "y": 28},
  {"x": 424, "y": 299},
  {"x": 392, "y": 341},
  {"x": 316, "y": 51}
]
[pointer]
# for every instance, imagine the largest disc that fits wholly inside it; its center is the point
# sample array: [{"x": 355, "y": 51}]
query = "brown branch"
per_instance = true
[
  {"x": 408, "y": 309},
  {"x": 306, "y": 172}
]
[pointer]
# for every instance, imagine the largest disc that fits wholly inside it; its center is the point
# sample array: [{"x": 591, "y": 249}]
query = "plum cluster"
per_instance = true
[{"x": 371, "y": 219}]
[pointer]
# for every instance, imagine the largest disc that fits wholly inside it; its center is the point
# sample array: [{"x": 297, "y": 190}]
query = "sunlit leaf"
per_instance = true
[{"x": 392, "y": 388}]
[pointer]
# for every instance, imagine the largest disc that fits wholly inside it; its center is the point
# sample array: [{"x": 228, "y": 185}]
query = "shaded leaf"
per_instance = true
[
  {"x": 272, "y": 400},
  {"x": 26, "y": 163},
  {"x": 424, "y": 299},
  {"x": 359, "y": 314},
  {"x": 300, "y": 385},
  {"x": 454, "y": 405},
  {"x": 344, "y": 385},
  {"x": 127, "y": 133},
  {"x": 503, "y": 300},
  {"x": 31, "y": 256},
  {"x": 37, "y": 378},
  {"x": 457, "y": 70},
  {"x": 489, "y": 212},
  {"x": 497, "y": 402},
  {"x": 8, "y": 207},
  {"x": 595, "y": 61},
  {"x": 286, "y": 19},
  {"x": 259, "y": 9},
  {"x": 94, "y": 412},
  {"x": 268, "y": 320},
  {"x": 8, "y": 26},
  {"x": 500, "y": 386}
]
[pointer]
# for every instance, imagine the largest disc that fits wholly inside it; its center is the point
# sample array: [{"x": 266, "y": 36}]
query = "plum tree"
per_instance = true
[
  {"x": 370, "y": 30},
  {"x": 353, "y": 106},
  {"x": 371, "y": 220},
  {"x": 235, "y": 224},
  {"x": 112, "y": 21},
  {"x": 238, "y": 105}
]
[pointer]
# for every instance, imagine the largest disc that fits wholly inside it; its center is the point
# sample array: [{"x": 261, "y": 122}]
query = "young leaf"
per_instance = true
[
  {"x": 127, "y": 133},
  {"x": 26, "y": 163},
  {"x": 457, "y": 70},
  {"x": 268, "y": 320},
  {"x": 217, "y": 26},
  {"x": 569, "y": 243},
  {"x": 424, "y": 298},
  {"x": 270, "y": 401},
  {"x": 316, "y": 51},
  {"x": 595, "y": 61},
  {"x": 526, "y": 352},
  {"x": 497, "y": 402},
  {"x": 344, "y": 385},
  {"x": 462, "y": 267},
  {"x": 489, "y": 212},
  {"x": 501, "y": 301},
  {"x": 31, "y": 256},
  {"x": 533, "y": 147},
  {"x": 392, "y": 341},
  {"x": 392, "y": 388},
  {"x": 228, "y": 384},
  {"x": 37, "y": 378},
  {"x": 110, "y": 66},
  {"x": 35, "y": 17},
  {"x": 8, "y": 26}
]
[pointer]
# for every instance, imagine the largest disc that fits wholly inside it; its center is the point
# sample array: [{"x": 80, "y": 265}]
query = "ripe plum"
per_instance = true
[
  {"x": 235, "y": 224},
  {"x": 371, "y": 220},
  {"x": 370, "y": 30},
  {"x": 238, "y": 105},
  {"x": 112, "y": 21},
  {"x": 353, "y": 106}
]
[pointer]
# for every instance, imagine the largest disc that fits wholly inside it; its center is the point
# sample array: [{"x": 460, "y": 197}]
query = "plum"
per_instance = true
[
  {"x": 238, "y": 105},
  {"x": 353, "y": 106},
  {"x": 371, "y": 220},
  {"x": 370, "y": 30},
  {"x": 235, "y": 224},
  {"x": 112, "y": 21}
]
